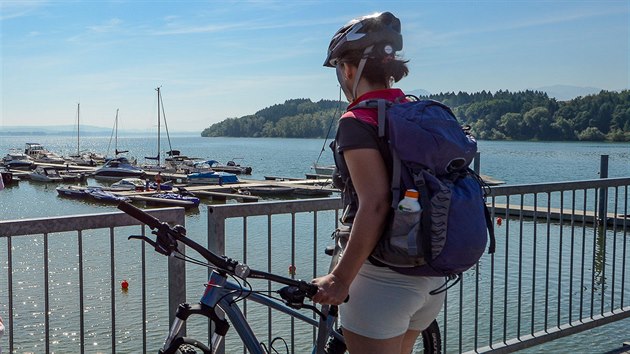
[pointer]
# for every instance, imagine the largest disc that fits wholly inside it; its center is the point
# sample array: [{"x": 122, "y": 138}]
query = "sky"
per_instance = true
[{"x": 221, "y": 59}]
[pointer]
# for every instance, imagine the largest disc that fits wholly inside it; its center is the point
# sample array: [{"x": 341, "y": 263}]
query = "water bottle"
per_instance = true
[
  {"x": 410, "y": 202},
  {"x": 406, "y": 223}
]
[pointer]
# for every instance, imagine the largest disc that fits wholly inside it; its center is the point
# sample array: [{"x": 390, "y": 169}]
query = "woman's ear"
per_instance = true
[{"x": 349, "y": 71}]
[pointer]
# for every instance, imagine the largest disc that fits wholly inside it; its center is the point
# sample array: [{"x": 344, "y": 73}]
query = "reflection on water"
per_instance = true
[{"x": 513, "y": 162}]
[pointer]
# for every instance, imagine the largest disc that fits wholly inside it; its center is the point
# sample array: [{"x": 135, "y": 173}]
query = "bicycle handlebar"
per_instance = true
[
  {"x": 140, "y": 215},
  {"x": 166, "y": 243}
]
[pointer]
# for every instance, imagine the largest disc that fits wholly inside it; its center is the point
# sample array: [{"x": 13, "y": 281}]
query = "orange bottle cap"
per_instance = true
[{"x": 412, "y": 193}]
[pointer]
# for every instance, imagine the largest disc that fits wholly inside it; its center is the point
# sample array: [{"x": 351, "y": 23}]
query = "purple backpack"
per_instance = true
[{"x": 431, "y": 153}]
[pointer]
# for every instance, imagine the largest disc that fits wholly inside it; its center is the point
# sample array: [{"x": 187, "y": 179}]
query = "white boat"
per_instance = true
[
  {"x": 325, "y": 170},
  {"x": 45, "y": 174},
  {"x": 230, "y": 166},
  {"x": 129, "y": 184},
  {"x": 118, "y": 168},
  {"x": 17, "y": 160},
  {"x": 38, "y": 153},
  {"x": 84, "y": 158},
  {"x": 212, "y": 177}
]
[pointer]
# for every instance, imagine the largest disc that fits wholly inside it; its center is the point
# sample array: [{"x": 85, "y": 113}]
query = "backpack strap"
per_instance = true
[{"x": 381, "y": 106}]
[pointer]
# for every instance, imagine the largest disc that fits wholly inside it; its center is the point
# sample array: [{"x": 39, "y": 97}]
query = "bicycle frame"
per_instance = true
[{"x": 224, "y": 295}]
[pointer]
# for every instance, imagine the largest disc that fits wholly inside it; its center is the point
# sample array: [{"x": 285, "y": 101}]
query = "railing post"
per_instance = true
[
  {"x": 216, "y": 244},
  {"x": 603, "y": 191},
  {"x": 477, "y": 163},
  {"x": 177, "y": 279}
]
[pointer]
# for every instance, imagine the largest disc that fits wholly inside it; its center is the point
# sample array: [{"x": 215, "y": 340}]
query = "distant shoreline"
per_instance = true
[{"x": 90, "y": 134}]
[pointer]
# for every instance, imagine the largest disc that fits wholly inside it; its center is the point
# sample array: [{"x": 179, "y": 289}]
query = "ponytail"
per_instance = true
[{"x": 378, "y": 70}]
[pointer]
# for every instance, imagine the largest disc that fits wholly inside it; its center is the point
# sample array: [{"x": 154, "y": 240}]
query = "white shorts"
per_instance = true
[{"x": 385, "y": 304}]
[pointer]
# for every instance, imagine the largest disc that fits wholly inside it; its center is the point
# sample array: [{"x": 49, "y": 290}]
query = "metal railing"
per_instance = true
[
  {"x": 87, "y": 304},
  {"x": 560, "y": 265}
]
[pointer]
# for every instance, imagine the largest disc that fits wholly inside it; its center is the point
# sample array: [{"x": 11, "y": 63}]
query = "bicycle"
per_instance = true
[{"x": 219, "y": 302}]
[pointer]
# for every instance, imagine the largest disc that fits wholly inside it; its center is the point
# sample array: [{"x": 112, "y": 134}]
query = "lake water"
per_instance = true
[{"x": 512, "y": 162}]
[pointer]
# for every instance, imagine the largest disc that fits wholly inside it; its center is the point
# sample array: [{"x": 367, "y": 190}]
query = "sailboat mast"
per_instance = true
[
  {"x": 78, "y": 129},
  {"x": 116, "y": 137},
  {"x": 158, "y": 124}
]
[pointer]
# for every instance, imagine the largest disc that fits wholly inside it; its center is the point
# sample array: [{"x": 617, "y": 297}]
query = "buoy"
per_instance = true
[
  {"x": 292, "y": 270},
  {"x": 124, "y": 285},
  {"x": 499, "y": 221}
]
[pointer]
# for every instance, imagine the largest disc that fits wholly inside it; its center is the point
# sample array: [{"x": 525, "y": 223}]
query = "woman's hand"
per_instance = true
[{"x": 331, "y": 290}]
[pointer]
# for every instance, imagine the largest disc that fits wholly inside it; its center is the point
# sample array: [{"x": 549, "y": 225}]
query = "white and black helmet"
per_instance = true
[{"x": 381, "y": 30}]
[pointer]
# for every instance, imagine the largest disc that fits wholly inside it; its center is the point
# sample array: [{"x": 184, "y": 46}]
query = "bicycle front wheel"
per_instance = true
[{"x": 185, "y": 345}]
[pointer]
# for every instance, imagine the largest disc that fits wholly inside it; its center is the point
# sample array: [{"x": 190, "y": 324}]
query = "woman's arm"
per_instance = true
[{"x": 370, "y": 179}]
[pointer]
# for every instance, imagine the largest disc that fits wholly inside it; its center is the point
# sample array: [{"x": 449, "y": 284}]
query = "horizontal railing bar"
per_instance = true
[
  {"x": 275, "y": 207},
  {"x": 553, "y": 333},
  {"x": 507, "y": 190},
  {"x": 86, "y": 222}
]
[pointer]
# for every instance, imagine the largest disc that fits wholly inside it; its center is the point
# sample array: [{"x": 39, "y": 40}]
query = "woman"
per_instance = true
[{"x": 386, "y": 310}]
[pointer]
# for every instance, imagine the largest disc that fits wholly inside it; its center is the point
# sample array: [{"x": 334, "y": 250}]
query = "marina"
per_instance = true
[
  {"x": 177, "y": 186},
  {"x": 274, "y": 161}
]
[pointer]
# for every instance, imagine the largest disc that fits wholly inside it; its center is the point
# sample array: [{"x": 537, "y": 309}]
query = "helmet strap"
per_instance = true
[
  {"x": 342, "y": 85},
  {"x": 357, "y": 76}
]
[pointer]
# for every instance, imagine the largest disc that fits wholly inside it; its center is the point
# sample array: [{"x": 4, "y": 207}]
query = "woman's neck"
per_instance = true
[{"x": 365, "y": 87}]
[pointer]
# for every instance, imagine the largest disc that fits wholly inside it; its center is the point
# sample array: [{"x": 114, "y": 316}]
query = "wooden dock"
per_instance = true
[{"x": 557, "y": 214}]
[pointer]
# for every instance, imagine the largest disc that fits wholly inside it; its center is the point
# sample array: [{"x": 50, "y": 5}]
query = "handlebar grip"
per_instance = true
[
  {"x": 310, "y": 289},
  {"x": 139, "y": 214}
]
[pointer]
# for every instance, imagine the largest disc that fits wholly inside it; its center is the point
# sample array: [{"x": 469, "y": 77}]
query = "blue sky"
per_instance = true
[{"x": 219, "y": 59}]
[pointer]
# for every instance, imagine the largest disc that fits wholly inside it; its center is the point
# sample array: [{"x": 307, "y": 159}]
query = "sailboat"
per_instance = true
[
  {"x": 118, "y": 167},
  {"x": 83, "y": 158},
  {"x": 174, "y": 159}
]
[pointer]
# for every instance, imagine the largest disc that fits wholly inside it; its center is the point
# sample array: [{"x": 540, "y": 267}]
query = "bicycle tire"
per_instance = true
[
  {"x": 186, "y": 345},
  {"x": 186, "y": 349},
  {"x": 432, "y": 339}
]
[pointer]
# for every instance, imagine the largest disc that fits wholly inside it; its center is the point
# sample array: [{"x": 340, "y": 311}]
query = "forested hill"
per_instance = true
[
  {"x": 296, "y": 118},
  {"x": 504, "y": 115}
]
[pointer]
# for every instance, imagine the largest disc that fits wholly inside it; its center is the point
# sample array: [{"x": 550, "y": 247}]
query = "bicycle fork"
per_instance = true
[
  {"x": 174, "y": 340},
  {"x": 206, "y": 307}
]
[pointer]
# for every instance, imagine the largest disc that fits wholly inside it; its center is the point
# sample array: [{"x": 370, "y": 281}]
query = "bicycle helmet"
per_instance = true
[{"x": 378, "y": 30}]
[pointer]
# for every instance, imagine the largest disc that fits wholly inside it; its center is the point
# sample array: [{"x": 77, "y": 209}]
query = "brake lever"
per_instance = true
[
  {"x": 316, "y": 310},
  {"x": 151, "y": 242}
]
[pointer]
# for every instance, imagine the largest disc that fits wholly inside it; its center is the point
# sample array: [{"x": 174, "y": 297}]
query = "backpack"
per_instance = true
[{"x": 431, "y": 153}]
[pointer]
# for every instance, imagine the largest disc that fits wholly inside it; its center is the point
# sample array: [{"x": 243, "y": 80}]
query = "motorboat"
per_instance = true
[
  {"x": 86, "y": 158},
  {"x": 72, "y": 192},
  {"x": 38, "y": 153},
  {"x": 230, "y": 166},
  {"x": 105, "y": 196},
  {"x": 45, "y": 174},
  {"x": 190, "y": 201},
  {"x": 7, "y": 177},
  {"x": 130, "y": 184},
  {"x": 91, "y": 192},
  {"x": 67, "y": 176},
  {"x": 137, "y": 184},
  {"x": 212, "y": 177},
  {"x": 17, "y": 160},
  {"x": 324, "y": 170},
  {"x": 118, "y": 168},
  {"x": 267, "y": 190}
]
